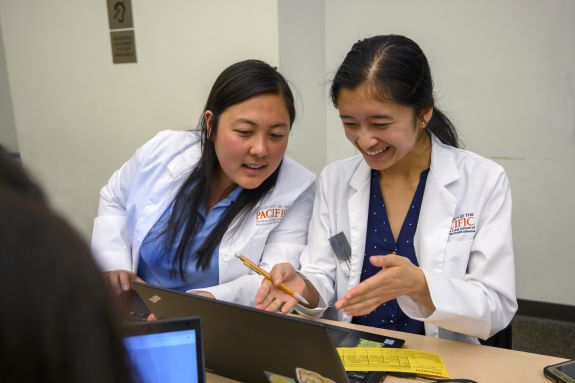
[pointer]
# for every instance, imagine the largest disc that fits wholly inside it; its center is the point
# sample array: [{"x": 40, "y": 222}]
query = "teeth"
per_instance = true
[
  {"x": 375, "y": 152},
  {"x": 254, "y": 166}
]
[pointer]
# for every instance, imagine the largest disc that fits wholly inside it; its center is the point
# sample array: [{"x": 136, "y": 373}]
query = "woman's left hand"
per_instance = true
[{"x": 398, "y": 276}]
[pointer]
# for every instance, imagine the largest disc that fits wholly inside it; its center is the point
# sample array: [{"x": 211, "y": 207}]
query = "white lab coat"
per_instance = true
[
  {"x": 139, "y": 192},
  {"x": 469, "y": 267}
]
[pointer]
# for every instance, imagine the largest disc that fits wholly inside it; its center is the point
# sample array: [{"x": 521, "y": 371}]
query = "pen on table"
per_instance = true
[{"x": 268, "y": 276}]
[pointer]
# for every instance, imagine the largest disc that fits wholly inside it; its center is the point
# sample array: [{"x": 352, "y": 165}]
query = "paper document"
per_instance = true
[{"x": 392, "y": 360}]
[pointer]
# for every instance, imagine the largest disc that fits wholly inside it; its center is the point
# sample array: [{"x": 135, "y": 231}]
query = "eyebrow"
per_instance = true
[
  {"x": 376, "y": 116},
  {"x": 252, "y": 123}
]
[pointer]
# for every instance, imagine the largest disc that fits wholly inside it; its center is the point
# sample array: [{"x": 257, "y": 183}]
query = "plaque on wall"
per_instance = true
[
  {"x": 120, "y": 14},
  {"x": 123, "y": 47}
]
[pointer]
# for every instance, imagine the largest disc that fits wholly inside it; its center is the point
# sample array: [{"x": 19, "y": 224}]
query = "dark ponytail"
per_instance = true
[
  {"x": 396, "y": 69},
  {"x": 443, "y": 128}
]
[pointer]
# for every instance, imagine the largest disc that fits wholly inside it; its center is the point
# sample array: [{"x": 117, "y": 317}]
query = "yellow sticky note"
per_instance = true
[{"x": 393, "y": 360}]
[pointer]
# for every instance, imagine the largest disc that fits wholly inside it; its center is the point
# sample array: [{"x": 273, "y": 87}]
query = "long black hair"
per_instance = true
[
  {"x": 396, "y": 69},
  {"x": 58, "y": 323},
  {"x": 237, "y": 83}
]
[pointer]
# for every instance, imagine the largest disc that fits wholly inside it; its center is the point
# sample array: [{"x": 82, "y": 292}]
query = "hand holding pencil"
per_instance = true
[{"x": 268, "y": 276}]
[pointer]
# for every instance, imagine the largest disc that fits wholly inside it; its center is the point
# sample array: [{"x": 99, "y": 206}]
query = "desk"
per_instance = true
[{"x": 481, "y": 363}]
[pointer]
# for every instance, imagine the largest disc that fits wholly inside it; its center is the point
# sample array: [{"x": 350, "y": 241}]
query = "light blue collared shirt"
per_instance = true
[{"x": 154, "y": 266}]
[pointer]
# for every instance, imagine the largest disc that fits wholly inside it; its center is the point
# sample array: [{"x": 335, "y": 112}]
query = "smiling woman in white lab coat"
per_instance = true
[
  {"x": 414, "y": 234},
  {"x": 186, "y": 203}
]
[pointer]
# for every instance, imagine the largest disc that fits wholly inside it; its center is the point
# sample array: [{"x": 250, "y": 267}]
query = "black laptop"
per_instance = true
[
  {"x": 253, "y": 346},
  {"x": 166, "y": 351}
]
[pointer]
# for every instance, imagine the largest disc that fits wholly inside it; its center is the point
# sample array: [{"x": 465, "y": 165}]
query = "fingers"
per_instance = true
[
  {"x": 263, "y": 292},
  {"x": 377, "y": 281},
  {"x": 267, "y": 301},
  {"x": 394, "y": 279},
  {"x": 151, "y": 318},
  {"x": 120, "y": 280},
  {"x": 282, "y": 272},
  {"x": 114, "y": 281},
  {"x": 270, "y": 298},
  {"x": 125, "y": 278},
  {"x": 289, "y": 305},
  {"x": 388, "y": 260},
  {"x": 378, "y": 260},
  {"x": 364, "y": 296},
  {"x": 275, "y": 300},
  {"x": 368, "y": 287},
  {"x": 369, "y": 294},
  {"x": 284, "y": 304},
  {"x": 275, "y": 305},
  {"x": 363, "y": 307},
  {"x": 358, "y": 300}
]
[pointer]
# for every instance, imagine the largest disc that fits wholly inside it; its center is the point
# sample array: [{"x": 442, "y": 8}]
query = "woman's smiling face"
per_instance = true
[
  {"x": 384, "y": 131},
  {"x": 251, "y": 140}
]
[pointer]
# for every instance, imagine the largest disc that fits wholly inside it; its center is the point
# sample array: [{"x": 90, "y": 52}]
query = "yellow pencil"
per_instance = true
[{"x": 268, "y": 276}]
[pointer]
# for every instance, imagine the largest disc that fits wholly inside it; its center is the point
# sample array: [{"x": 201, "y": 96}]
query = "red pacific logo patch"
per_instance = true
[
  {"x": 464, "y": 223},
  {"x": 270, "y": 214}
]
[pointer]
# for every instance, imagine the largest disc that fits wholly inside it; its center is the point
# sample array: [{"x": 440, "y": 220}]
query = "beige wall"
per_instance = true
[
  {"x": 302, "y": 61},
  {"x": 79, "y": 117},
  {"x": 8, "y": 137}
]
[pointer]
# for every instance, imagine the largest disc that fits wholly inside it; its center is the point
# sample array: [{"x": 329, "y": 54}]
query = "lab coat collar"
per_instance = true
[
  {"x": 361, "y": 176},
  {"x": 358, "y": 208},
  {"x": 185, "y": 160},
  {"x": 437, "y": 208},
  {"x": 442, "y": 162}
]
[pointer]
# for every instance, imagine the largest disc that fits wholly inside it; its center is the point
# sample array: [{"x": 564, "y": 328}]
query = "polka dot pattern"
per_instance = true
[{"x": 380, "y": 241}]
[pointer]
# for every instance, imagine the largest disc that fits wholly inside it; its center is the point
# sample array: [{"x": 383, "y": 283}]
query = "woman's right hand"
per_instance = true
[
  {"x": 120, "y": 280},
  {"x": 270, "y": 298}
]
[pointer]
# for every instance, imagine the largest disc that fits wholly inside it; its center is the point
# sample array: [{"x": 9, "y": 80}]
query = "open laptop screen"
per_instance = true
[{"x": 166, "y": 351}]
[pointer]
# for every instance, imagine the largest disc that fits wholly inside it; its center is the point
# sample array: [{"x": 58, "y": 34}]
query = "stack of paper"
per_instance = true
[{"x": 393, "y": 360}]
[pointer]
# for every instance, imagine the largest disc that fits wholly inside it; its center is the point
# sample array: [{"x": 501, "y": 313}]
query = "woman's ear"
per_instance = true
[
  {"x": 209, "y": 119},
  {"x": 425, "y": 116}
]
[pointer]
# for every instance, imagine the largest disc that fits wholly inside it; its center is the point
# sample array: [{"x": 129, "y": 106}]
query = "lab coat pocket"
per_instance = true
[{"x": 457, "y": 258}]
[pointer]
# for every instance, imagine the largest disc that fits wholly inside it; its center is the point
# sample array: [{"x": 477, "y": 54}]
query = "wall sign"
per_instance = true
[
  {"x": 123, "y": 47},
  {"x": 120, "y": 14},
  {"x": 122, "y": 34}
]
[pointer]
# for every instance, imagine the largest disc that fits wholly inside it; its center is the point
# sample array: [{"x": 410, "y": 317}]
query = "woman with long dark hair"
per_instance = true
[
  {"x": 413, "y": 234},
  {"x": 58, "y": 321},
  {"x": 181, "y": 209}
]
